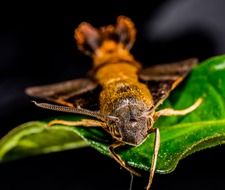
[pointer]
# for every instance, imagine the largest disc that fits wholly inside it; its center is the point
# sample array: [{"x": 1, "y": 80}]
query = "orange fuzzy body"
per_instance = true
[
  {"x": 120, "y": 82},
  {"x": 114, "y": 67}
]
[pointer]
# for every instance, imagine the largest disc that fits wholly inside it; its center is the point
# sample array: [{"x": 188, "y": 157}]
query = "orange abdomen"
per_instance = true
[{"x": 120, "y": 82}]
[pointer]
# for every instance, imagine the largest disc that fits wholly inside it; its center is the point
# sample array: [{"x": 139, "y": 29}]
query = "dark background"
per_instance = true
[{"x": 37, "y": 49}]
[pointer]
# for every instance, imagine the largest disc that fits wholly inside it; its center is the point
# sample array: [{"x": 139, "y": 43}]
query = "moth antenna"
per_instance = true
[{"x": 71, "y": 110}]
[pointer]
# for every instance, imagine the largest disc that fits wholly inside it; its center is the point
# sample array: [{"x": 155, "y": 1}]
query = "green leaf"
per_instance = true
[
  {"x": 180, "y": 135},
  {"x": 37, "y": 138}
]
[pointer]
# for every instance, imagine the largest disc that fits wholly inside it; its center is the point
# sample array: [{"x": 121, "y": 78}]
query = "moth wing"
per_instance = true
[
  {"x": 66, "y": 93},
  {"x": 162, "y": 79}
]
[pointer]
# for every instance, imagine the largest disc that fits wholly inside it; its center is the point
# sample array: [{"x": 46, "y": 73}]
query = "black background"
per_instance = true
[{"x": 38, "y": 49}]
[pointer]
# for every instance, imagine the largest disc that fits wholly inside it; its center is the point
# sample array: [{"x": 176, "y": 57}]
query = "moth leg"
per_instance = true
[
  {"x": 112, "y": 148},
  {"x": 171, "y": 112},
  {"x": 154, "y": 157},
  {"x": 83, "y": 122}
]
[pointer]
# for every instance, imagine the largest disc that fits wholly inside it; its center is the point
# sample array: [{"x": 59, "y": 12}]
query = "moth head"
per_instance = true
[
  {"x": 105, "y": 40},
  {"x": 130, "y": 125}
]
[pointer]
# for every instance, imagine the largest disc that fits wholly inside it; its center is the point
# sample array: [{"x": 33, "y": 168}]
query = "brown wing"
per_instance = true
[
  {"x": 162, "y": 79},
  {"x": 66, "y": 93}
]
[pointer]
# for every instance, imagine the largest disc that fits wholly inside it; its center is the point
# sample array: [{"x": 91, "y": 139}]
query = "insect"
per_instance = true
[{"x": 126, "y": 95}]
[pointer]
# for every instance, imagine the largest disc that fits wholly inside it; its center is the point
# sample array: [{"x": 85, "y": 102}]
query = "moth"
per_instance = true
[{"x": 119, "y": 96}]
